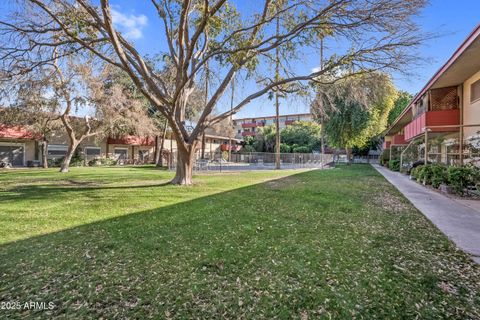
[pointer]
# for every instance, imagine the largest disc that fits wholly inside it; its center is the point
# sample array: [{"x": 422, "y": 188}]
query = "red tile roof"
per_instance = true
[{"x": 15, "y": 132}]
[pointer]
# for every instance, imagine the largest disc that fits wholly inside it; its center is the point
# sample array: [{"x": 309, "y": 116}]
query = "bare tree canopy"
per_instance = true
[{"x": 201, "y": 33}]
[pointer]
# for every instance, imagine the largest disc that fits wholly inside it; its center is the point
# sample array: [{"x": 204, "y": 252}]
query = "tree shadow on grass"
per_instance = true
[
  {"x": 260, "y": 251},
  {"x": 42, "y": 191},
  {"x": 140, "y": 167}
]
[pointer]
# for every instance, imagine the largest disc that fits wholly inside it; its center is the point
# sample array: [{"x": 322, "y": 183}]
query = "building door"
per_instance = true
[
  {"x": 143, "y": 155},
  {"x": 121, "y": 154},
  {"x": 12, "y": 154}
]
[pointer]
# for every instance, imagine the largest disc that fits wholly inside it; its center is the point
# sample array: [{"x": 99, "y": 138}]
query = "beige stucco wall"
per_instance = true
[
  {"x": 471, "y": 111},
  {"x": 132, "y": 151},
  {"x": 61, "y": 138},
  {"x": 170, "y": 145},
  {"x": 30, "y": 146}
]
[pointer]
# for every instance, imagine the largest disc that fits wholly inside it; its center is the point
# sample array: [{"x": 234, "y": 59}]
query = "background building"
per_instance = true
[
  {"x": 442, "y": 123},
  {"x": 19, "y": 147},
  {"x": 249, "y": 126}
]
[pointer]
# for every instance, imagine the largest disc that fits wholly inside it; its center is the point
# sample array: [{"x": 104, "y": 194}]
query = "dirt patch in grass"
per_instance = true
[
  {"x": 282, "y": 183},
  {"x": 389, "y": 202}
]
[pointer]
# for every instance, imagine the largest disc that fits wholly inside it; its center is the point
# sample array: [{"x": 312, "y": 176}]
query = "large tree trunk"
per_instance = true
[
  {"x": 157, "y": 150},
  {"x": 322, "y": 135},
  {"x": 44, "y": 154},
  {"x": 162, "y": 145},
  {"x": 65, "y": 167},
  {"x": 277, "y": 103},
  {"x": 160, "y": 158},
  {"x": 349, "y": 155},
  {"x": 185, "y": 162},
  {"x": 203, "y": 145}
]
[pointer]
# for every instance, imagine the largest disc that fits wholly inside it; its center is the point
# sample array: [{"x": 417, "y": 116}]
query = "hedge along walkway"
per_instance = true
[{"x": 458, "y": 222}]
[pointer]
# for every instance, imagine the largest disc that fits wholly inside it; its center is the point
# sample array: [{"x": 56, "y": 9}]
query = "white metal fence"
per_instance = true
[{"x": 222, "y": 161}]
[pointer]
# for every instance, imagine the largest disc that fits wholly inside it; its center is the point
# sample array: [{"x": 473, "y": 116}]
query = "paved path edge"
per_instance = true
[{"x": 460, "y": 223}]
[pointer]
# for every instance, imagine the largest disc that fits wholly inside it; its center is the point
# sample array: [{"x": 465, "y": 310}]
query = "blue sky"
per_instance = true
[{"x": 453, "y": 20}]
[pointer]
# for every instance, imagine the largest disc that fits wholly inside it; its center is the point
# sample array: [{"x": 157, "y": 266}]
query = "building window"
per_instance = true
[
  {"x": 239, "y": 131},
  {"x": 475, "y": 91},
  {"x": 13, "y": 153},
  {"x": 56, "y": 151},
  {"x": 92, "y": 152},
  {"x": 143, "y": 155},
  {"x": 121, "y": 153}
]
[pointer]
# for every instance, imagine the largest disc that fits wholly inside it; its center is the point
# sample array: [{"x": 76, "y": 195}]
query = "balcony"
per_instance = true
[
  {"x": 289, "y": 122},
  {"x": 398, "y": 139},
  {"x": 248, "y": 133},
  {"x": 233, "y": 147},
  {"x": 433, "y": 118},
  {"x": 253, "y": 124}
]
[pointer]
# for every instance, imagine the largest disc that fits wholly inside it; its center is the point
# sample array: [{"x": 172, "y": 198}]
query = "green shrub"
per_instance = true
[
  {"x": 384, "y": 157},
  {"x": 439, "y": 175},
  {"x": 77, "y": 160},
  {"x": 249, "y": 148},
  {"x": 394, "y": 165},
  {"x": 414, "y": 172},
  {"x": 102, "y": 162},
  {"x": 462, "y": 177},
  {"x": 425, "y": 174},
  {"x": 285, "y": 148},
  {"x": 301, "y": 149},
  {"x": 56, "y": 162}
]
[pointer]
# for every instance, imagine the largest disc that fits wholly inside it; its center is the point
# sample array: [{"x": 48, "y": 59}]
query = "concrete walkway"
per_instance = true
[{"x": 459, "y": 222}]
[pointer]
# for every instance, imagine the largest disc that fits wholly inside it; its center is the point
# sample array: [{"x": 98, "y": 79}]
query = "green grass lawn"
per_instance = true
[{"x": 120, "y": 243}]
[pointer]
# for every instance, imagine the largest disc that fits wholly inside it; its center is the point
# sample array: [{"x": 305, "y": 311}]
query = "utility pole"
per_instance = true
[
  {"x": 230, "y": 132},
  {"x": 207, "y": 73},
  {"x": 322, "y": 112},
  {"x": 277, "y": 103}
]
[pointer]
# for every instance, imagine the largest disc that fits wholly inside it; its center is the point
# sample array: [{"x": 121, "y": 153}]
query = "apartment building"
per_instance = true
[
  {"x": 250, "y": 126},
  {"x": 442, "y": 122},
  {"x": 19, "y": 147}
]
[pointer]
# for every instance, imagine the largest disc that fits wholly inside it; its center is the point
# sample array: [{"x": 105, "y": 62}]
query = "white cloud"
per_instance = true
[{"x": 129, "y": 25}]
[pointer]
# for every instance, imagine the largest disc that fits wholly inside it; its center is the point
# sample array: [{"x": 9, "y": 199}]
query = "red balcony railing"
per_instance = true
[
  {"x": 399, "y": 139},
  {"x": 253, "y": 124},
  {"x": 432, "y": 118},
  {"x": 233, "y": 147},
  {"x": 248, "y": 133}
]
